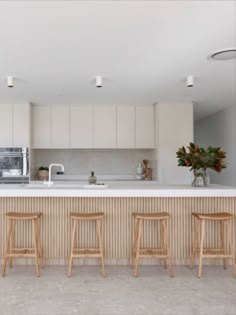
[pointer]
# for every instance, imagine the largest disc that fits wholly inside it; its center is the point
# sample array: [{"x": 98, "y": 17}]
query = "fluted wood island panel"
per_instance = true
[{"x": 118, "y": 224}]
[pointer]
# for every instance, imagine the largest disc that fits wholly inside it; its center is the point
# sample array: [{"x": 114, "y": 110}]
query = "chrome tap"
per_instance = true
[{"x": 50, "y": 183}]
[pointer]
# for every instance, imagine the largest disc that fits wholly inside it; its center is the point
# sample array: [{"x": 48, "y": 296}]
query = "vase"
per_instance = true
[
  {"x": 42, "y": 175},
  {"x": 200, "y": 178}
]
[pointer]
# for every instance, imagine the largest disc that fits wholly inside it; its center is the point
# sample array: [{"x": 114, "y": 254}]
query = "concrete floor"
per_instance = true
[{"x": 87, "y": 293}]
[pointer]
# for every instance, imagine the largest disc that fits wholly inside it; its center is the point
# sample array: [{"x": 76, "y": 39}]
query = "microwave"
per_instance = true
[{"x": 14, "y": 165}]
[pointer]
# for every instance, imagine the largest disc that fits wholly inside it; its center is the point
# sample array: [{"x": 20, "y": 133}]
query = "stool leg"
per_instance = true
[
  {"x": 72, "y": 247},
  {"x": 231, "y": 246},
  {"x": 36, "y": 248},
  {"x": 7, "y": 249},
  {"x": 134, "y": 241},
  {"x": 163, "y": 242},
  {"x": 165, "y": 225},
  {"x": 99, "y": 233},
  {"x": 194, "y": 242},
  {"x": 39, "y": 247},
  {"x": 222, "y": 241},
  {"x": 137, "y": 247},
  {"x": 201, "y": 248},
  {"x": 12, "y": 241}
]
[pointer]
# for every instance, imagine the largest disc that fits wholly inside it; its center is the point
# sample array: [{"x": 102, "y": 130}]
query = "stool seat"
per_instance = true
[
  {"x": 86, "y": 216},
  {"x": 220, "y": 216},
  {"x": 151, "y": 216},
  {"x": 23, "y": 216}
]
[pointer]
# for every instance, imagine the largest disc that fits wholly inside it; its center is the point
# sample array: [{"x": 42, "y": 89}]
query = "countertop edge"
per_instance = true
[{"x": 119, "y": 193}]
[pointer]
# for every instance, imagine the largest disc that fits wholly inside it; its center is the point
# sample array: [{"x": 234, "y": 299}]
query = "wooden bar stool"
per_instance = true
[
  {"x": 96, "y": 252},
  {"x": 223, "y": 218},
  {"x": 163, "y": 252},
  {"x": 26, "y": 252}
]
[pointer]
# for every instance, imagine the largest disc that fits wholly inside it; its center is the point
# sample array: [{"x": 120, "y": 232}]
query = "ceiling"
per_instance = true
[{"x": 143, "y": 49}]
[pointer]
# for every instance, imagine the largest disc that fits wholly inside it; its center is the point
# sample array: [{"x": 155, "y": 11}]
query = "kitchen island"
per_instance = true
[{"x": 117, "y": 201}]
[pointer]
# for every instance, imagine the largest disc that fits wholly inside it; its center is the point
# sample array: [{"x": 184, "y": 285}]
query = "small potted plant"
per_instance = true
[
  {"x": 42, "y": 173},
  {"x": 200, "y": 159}
]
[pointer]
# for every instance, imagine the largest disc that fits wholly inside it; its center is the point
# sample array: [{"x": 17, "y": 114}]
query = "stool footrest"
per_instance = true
[
  {"x": 206, "y": 251},
  {"x": 154, "y": 252},
  {"x": 21, "y": 255},
  {"x": 86, "y": 252},
  {"x": 216, "y": 256},
  {"x": 23, "y": 249}
]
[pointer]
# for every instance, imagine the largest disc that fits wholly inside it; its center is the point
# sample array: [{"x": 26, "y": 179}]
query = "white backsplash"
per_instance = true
[{"x": 101, "y": 161}]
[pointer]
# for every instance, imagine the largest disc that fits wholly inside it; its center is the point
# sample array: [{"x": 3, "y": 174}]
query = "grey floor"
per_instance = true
[{"x": 87, "y": 293}]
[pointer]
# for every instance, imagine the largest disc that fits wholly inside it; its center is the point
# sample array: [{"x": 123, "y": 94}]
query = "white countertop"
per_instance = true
[{"x": 114, "y": 189}]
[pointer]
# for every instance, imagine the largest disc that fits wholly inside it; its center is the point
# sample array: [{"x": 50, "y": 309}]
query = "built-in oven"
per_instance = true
[{"x": 14, "y": 165}]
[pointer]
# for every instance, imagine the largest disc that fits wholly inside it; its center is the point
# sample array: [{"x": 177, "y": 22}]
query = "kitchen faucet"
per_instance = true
[{"x": 49, "y": 182}]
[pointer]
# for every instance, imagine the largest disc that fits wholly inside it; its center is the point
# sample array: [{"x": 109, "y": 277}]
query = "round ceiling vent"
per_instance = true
[{"x": 224, "y": 54}]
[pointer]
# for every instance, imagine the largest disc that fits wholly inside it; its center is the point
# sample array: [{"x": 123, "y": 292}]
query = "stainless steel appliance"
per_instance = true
[{"x": 14, "y": 165}]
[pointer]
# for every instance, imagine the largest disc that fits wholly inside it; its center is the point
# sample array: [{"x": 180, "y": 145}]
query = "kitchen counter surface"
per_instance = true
[{"x": 114, "y": 189}]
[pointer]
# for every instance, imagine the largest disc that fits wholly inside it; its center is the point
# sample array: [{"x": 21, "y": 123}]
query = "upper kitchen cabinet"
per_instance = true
[
  {"x": 60, "y": 126},
  {"x": 21, "y": 125},
  {"x": 6, "y": 125},
  {"x": 125, "y": 127},
  {"x": 144, "y": 127},
  {"x": 104, "y": 126},
  {"x": 41, "y": 123},
  {"x": 81, "y": 126},
  {"x": 15, "y": 125}
]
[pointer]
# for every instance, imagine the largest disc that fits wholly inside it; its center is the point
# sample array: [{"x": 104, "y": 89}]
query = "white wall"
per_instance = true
[
  {"x": 102, "y": 161},
  {"x": 220, "y": 130}
]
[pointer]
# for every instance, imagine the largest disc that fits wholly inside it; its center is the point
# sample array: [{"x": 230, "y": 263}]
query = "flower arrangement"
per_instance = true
[{"x": 200, "y": 159}]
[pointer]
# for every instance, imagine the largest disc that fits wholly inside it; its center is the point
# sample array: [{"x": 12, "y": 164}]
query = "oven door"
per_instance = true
[{"x": 14, "y": 165}]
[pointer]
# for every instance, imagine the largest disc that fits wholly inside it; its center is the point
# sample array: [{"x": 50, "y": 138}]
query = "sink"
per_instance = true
[
  {"x": 64, "y": 185},
  {"x": 54, "y": 186}
]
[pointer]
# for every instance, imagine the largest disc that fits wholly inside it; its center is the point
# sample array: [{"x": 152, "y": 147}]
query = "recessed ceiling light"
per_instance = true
[
  {"x": 190, "y": 81},
  {"x": 10, "y": 81},
  {"x": 224, "y": 54},
  {"x": 98, "y": 81}
]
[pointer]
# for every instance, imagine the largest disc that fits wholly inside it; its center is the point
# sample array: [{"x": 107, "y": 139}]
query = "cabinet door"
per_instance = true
[
  {"x": 21, "y": 125},
  {"x": 60, "y": 126},
  {"x": 41, "y": 126},
  {"x": 177, "y": 132},
  {"x": 125, "y": 126},
  {"x": 6, "y": 125},
  {"x": 145, "y": 127},
  {"x": 81, "y": 126},
  {"x": 104, "y": 128}
]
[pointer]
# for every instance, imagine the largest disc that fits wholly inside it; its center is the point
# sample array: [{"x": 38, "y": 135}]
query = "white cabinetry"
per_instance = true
[
  {"x": 41, "y": 126},
  {"x": 15, "y": 125},
  {"x": 93, "y": 126},
  {"x": 81, "y": 126},
  {"x": 175, "y": 130},
  {"x": 125, "y": 126},
  {"x": 21, "y": 125},
  {"x": 60, "y": 126},
  {"x": 104, "y": 126},
  {"x": 145, "y": 127},
  {"x": 6, "y": 125}
]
